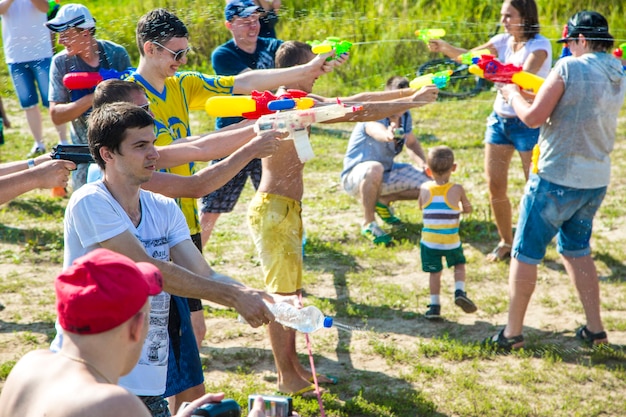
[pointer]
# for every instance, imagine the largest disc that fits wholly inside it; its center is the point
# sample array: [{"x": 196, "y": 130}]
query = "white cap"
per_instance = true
[{"x": 71, "y": 16}]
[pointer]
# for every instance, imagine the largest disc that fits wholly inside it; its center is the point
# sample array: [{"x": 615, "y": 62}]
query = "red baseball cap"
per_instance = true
[{"x": 103, "y": 289}]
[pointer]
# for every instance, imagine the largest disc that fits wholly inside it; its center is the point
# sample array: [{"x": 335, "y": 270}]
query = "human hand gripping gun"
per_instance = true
[
  {"x": 489, "y": 68},
  {"x": 331, "y": 43},
  {"x": 440, "y": 79},
  {"x": 257, "y": 104},
  {"x": 295, "y": 122},
  {"x": 427, "y": 34},
  {"x": 79, "y": 154}
]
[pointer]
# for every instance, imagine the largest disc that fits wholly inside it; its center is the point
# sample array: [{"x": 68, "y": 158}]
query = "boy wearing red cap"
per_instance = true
[{"x": 103, "y": 303}]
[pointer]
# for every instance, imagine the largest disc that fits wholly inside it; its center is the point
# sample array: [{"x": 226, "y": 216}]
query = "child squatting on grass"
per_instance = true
[{"x": 439, "y": 200}]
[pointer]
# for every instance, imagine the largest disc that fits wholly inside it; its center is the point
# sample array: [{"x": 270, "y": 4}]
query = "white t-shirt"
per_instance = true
[
  {"x": 24, "y": 34},
  {"x": 93, "y": 216},
  {"x": 504, "y": 45}
]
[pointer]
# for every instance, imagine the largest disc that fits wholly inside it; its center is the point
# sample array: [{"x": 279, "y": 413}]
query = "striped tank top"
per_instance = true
[{"x": 441, "y": 220}]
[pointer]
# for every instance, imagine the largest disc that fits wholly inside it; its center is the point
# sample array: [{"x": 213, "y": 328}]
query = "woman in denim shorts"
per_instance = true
[
  {"x": 521, "y": 45},
  {"x": 577, "y": 108}
]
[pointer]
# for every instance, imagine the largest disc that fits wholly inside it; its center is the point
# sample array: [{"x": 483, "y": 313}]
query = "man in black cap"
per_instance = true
[{"x": 577, "y": 109}]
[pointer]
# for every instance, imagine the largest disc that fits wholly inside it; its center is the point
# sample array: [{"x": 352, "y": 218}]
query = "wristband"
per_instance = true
[{"x": 30, "y": 163}]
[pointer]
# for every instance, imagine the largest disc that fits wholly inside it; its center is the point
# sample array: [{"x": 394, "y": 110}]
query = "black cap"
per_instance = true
[{"x": 592, "y": 25}]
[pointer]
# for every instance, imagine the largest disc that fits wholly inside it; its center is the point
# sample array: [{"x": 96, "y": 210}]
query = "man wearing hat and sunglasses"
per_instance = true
[
  {"x": 577, "y": 109},
  {"x": 83, "y": 53},
  {"x": 103, "y": 305}
]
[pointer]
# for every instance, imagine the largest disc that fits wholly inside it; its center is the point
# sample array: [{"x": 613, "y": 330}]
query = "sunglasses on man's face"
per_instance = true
[{"x": 177, "y": 55}]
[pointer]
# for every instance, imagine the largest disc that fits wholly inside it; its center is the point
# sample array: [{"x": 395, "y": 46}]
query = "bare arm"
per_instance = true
[
  {"x": 4, "y": 5},
  {"x": 66, "y": 112},
  {"x": 16, "y": 166},
  {"x": 214, "y": 145},
  {"x": 536, "y": 114},
  {"x": 269, "y": 79},
  {"x": 451, "y": 51},
  {"x": 465, "y": 203},
  {"x": 535, "y": 60},
  {"x": 190, "y": 276},
  {"x": 214, "y": 176},
  {"x": 379, "y": 110},
  {"x": 416, "y": 152},
  {"x": 47, "y": 175}
]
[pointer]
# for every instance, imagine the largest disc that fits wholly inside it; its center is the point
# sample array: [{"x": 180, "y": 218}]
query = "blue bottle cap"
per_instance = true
[{"x": 328, "y": 322}]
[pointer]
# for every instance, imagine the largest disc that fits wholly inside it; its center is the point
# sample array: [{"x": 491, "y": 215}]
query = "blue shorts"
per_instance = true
[
  {"x": 548, "y": 210},
  {"x": 24, "y": 76},
  {"x": 510, "y": 131},
  {"x": 223, "y": 200},
  {"x": 184, "y": 369},
  {"x": 157, "y": 406}
]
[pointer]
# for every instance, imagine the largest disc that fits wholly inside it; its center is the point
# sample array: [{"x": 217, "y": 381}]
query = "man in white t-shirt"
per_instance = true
[{"x": 115, "y": 213}]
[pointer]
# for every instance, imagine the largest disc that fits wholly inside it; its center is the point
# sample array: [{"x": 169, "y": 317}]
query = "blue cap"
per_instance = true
[
  {"x": 241, "y": 8},
  {"x": 328, "y": 321}
]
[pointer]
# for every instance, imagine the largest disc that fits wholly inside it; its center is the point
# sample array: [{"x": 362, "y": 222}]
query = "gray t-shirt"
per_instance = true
[
  {"x": 362, "y": 147},
  {"x": 112, "y": 56},
  {"x": 575, "y": 142}
]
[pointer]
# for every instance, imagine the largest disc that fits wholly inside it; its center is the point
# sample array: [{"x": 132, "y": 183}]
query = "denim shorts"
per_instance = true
[
  {"x": 27, "y": 77},
  {"x": 549, "y": 210},
  {"x": 223, "y": 200},
  {"x": 510, "y": 131}
]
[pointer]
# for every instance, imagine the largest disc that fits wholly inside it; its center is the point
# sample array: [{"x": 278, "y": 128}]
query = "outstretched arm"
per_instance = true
[
  {"x": 47, "y": 175},
  {"x": 214, "y": 145},
  {"x": 214, "y": 176}
]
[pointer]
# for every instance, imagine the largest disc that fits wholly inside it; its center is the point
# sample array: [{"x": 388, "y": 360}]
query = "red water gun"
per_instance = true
[
  {"x": 489, "y": 68},
  {"x": 257, "y": 104},
  {"x": 84, "y": 80}
]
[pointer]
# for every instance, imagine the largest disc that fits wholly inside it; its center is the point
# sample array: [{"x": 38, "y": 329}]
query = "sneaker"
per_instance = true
[
  {"x": 374, "y": 233},
  {"x": 36, "y": 150},
  {"x": 460, "y": 299},
  {"x": 499, "y": 343},
  {"x": 386, "y": 213},
  {"x": 433, "y": 312}
]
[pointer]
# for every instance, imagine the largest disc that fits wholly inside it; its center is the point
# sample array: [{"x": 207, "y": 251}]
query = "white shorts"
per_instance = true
[{"x": 401, "y": 178}]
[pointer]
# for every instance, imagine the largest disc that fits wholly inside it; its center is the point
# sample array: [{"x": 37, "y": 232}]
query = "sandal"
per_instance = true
[
  {"x": 500, "y": 343},
  {"x": 591, "y": 339},
  {"x": 500, "y": 253}
]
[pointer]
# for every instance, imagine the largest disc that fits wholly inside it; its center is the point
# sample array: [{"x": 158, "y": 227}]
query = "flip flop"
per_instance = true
[
  {"x": 306, "y": 392},
  {"x": 333, "y": 380},
  {"x": 499, "y": 253}
]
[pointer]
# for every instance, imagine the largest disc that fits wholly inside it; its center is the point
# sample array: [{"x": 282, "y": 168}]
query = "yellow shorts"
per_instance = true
[{"x": 275, "y": 223}]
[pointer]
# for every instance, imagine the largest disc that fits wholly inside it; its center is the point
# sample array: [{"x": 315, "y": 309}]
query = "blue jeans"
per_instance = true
[
  {"x": 25, "y": 75},
  {"x": 510, "y": 131},
  {"x": 549, "y": 210}
]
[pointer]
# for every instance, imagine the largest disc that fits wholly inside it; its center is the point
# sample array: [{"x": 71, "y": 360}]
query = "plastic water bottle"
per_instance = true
[{"x": 305, "y": 320}]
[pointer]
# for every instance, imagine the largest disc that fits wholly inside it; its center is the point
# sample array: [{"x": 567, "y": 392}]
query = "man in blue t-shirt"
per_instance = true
[{"x": 244, "y": 52}]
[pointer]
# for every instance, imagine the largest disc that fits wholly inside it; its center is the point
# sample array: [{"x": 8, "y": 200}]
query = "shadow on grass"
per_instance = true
[
  {"x": 357, "y": 393},
  {"x": 43, "y": 327}
]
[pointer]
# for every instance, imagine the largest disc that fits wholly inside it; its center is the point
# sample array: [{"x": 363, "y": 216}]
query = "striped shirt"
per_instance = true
[{"x": 441, "y": 219}]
